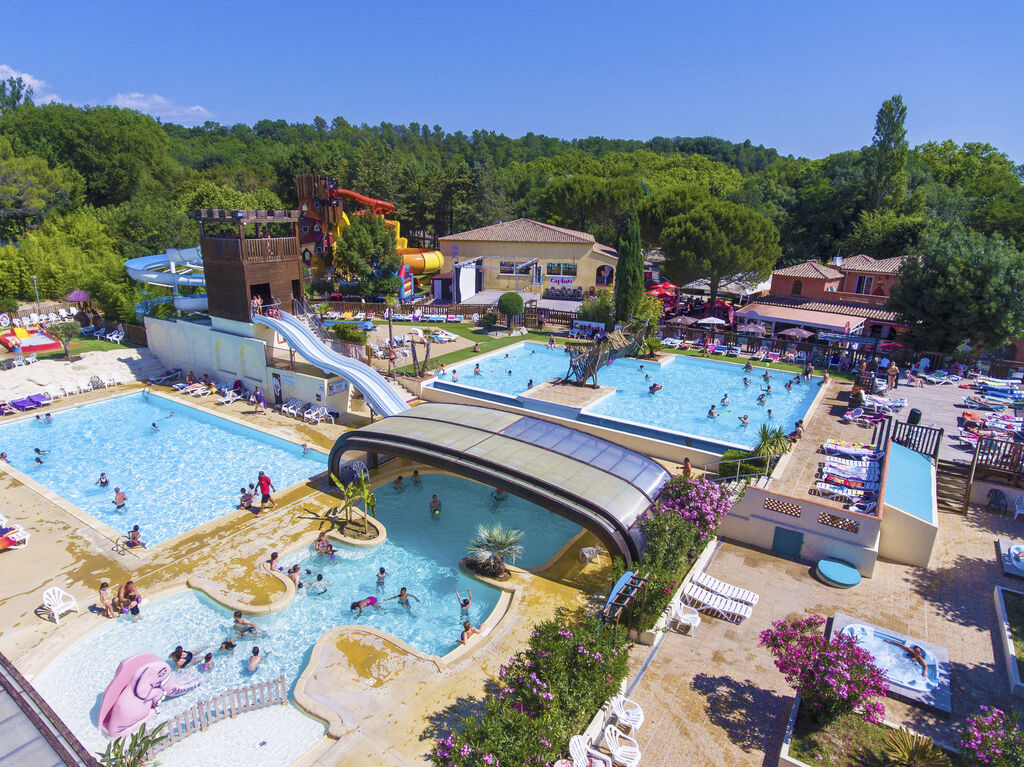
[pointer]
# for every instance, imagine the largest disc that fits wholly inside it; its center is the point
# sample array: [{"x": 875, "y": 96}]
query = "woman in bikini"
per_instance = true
[{"x": 364, "y": 602}]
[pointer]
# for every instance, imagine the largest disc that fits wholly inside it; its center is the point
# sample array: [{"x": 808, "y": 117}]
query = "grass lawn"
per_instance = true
[
  {"x": 1015, "y": 615},
  {"x": 80, "y": 345},
  {"x": 846, "y": 741}
]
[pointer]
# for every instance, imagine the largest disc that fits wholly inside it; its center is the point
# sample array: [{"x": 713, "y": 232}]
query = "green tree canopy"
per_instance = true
[
  {"x": 888, "y": 156},
  {"x": 366, "y": 252},
  {"x": 885, "y": 233},
  {"x": 629, "y": 273},
  {"x": 30, "y": 190},
  {"x": 964, "y": 286},
  {"x": 13, "y": 93},
  {"x": 718, "y": 241},
  {"x": 511, "y": 305}
]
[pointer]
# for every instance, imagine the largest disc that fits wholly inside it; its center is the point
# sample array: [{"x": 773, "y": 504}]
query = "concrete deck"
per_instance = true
[{"x": 716, "y": 698}]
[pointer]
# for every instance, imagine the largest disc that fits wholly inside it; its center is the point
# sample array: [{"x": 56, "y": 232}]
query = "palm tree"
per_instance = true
[
  {"x": 492, "y": 545},
  {"x": 771, "y": 441}
]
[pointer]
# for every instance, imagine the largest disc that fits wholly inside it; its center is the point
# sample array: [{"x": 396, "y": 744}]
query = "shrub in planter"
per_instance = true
[
  {"x": 349, "y": 333},
  {"x": 992, "y": 737},
  {"x": 700, "y": 501},
  {"x": 488, "y": 320},
  {"x": 730, "y": 464},
  {"x": 833, "y": 677},
  {"x": 491, "y": 546}
]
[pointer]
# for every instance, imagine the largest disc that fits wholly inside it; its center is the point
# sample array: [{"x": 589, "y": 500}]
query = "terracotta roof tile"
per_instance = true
[
  {"x": 833, "y": 307},
  {"x": 863, "y": 263},
  {"x": 522, "y": 230},
  {"x": 810, "y": 270}
]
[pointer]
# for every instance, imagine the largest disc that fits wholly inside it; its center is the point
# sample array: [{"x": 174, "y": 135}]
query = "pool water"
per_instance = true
[
  {"x": 185, "y": 473},
  {"x": 690, "y": 386},
  {"x": 893, "y": 660},
  {"x": 910, "y": 486},
  {"x": 421, "y": 552}
]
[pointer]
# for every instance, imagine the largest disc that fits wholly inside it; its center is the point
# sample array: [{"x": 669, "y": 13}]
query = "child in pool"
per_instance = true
[{"x": 364, "y": 602}]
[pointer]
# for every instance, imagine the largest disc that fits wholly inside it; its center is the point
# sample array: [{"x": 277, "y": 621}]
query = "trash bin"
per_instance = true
[{"x": 915, "y": 417}]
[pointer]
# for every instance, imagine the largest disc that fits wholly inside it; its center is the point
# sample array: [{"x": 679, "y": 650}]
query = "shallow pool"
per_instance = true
[
  {"x": 893, "y": 659},
  {"x": 909, "y": 486},
  {"x": 691, "y": 385},
  {"x": 421, "y": 552},
  {"x": 184, "y": 473}
]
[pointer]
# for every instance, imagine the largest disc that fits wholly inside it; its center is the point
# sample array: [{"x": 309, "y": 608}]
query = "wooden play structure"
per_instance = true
[{"x": 587, "y": 358}]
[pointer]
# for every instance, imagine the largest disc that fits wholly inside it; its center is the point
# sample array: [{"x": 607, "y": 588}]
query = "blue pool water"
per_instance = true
[
  {"x": 893, "y": 660},
  {"x": 420, "y": 553},
  {"x": 691, "y": 386},
  {"x": 909, "y": 486},
  {"x": 180, "y": 476}
]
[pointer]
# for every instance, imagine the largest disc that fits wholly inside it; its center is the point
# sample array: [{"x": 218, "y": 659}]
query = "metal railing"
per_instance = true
[
  {"x": 770, "y": 460},
  {"x": 304, "y": 310}
]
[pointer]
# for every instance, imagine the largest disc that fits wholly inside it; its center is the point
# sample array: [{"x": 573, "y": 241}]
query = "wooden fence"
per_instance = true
[
  {"x": 998, "y": 459},
  {"x": 227, "y": 705},
  {"x": 922, "y": 439},
  {"x": 133, "y": 334}
]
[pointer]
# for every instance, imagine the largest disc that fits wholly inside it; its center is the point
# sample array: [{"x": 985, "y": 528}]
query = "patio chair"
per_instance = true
[
  {"x": 704, "y": 601},
  {"x": 921, "y": 365},
  {"x": 1018, "y": 506},
  {"x": 833, "y": 362},
  {"x": 30, "y": 358},
  {"x": 997, "y": 501},
  {"x": 684, "y": 615},
  {"x": 100, "y": 332},
  {"x": 589, "y": 553},
  {"x": 58, "y": 602},
  {"x": 726, "y": 590},
  {"x": 624, "y": 749},
  {"x": 627, "y": 712},
  {"x": 852, "y": 415},
  {"x": 773, "y": 357},
  {"x": 583, "y": 755}
]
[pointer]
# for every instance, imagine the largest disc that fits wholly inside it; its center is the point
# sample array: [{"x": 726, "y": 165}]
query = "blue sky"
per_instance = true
[{"x": 804, "y": 77}]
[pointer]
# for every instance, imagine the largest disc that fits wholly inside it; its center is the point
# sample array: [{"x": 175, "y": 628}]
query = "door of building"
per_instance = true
[{"x": 787, "y": 543}]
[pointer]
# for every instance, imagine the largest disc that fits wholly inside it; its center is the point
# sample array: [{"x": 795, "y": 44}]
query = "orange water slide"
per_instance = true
[
  {"x": 421, "y": 260},
  {"x": 378, "y": 207}
]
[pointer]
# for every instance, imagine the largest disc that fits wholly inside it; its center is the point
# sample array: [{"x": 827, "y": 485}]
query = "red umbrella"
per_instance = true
[{"x": 889, "y": 346}]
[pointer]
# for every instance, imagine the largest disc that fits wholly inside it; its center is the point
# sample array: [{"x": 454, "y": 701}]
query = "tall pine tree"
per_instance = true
[{"x": 629, "y": 281}]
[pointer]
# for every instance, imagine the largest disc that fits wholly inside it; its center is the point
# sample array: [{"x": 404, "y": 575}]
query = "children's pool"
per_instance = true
[
  {"x": 185, "y": 472},
  {"x": 421, "y": 553},
  {"x": 690, "y": 386}
]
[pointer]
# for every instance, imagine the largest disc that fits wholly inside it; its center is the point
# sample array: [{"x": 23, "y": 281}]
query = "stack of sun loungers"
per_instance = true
[
  {"x": 851, "y": 474},
  {"x": 12, "y": 536},
  {"x": 704, "y": 600}
]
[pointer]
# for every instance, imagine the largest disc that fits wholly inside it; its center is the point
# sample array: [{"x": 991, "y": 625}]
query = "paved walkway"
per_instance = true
[{"x": 717, "y": 699}]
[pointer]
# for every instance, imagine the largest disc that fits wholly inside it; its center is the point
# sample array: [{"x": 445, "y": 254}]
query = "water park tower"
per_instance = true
[{"x": 248, "y": 253}]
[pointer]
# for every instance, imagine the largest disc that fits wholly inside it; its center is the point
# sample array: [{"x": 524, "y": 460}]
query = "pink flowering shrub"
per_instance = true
[
  {"x": 544, "y": 695},
  {"x": 833, "y": 677},
  {"x": 700, "y": 501},
  {"x": 992, "y": 737}
]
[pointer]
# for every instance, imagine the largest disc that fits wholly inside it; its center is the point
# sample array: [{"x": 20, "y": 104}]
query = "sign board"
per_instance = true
[
  {"x": 288, "y": 380},
  {"x": 334, "y": 387},
  {"x": 561, "y": 282}
]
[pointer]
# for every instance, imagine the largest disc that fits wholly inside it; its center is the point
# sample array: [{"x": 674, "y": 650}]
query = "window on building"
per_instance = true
[
  {"x": 507, "y": 267},
  {"x": 798, "y": 287},
  {"x": 863, "y": 285},
  {"x": 316, "y": 203},
  {"x": 569, "y": 269},
  {"x": 320, "y": 250},
  {"x": 554, "y": 268},
  {"x": 305, "y": 229},
  {"x": 604, "y": 276}
]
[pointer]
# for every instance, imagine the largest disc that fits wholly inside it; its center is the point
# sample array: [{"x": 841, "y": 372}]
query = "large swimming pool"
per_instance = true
[
  {"x": 690, "y": 386},
  {"x": 185, "y": 472},
  {"x": 421, "y": 553}
]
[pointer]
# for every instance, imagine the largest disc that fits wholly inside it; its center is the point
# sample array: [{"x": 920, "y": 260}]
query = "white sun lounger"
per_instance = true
[
  {"x": 705, "y": 601},
  {"x": 834, "y": 492},
  {"x": 869, "y": 473},
  {"x": 228, "y": 398},
  {"x": 726, "y": 590}
]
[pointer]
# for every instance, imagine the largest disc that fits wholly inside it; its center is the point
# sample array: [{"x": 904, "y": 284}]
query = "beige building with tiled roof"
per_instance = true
[{"x": 527, "y": 255}]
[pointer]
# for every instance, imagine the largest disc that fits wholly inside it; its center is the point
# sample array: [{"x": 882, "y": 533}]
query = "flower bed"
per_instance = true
[{"x": 544, "y": 694}]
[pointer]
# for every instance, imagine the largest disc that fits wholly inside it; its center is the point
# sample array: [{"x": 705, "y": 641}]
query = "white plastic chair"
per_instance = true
[
  {"x": 583, "y": 755},
  {"x": 627, "y": 712},
  {"x": 1018, "y": 507},
  {"x": 624, "y": 749},
  {"x": 590, "y": 552},
  {"x": 58, "y": 602},
  {"x": 684, "y": 615}
]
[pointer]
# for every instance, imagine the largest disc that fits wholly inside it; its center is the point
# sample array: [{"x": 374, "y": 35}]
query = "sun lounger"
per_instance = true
[
  {"x": 203, "y": 391},
  {"x": 853, "y": 463},
  {"x": 854, "y": 449},
  {"x": 15, "y": 539},
  {"x": 705, "y": 601},
  {"x": 773, "y": 356},
  {"x": 941, "y": 379},
  {"x": 39, "y": 399},
  {"x": 726, "y": 590},
  {"x": 228, "y": 398},
  {"x": 759, "y": 355},
  {"x": 984, "y": 403},
  {"x": 871, "y": 472},
  {"x": 851, "y": 484},
  {"x": 834, "y": 492},
  {"x": 732, "y": 351},
  {"x": 24, "y": 404},
  {"x": 167, "y": 375},
  {"x": 7, "y": 409},
  {"x": 30, "y": 358}
]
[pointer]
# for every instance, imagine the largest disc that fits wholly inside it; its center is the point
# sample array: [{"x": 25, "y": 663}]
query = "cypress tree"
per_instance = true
[{"x": 629, "y": 280}]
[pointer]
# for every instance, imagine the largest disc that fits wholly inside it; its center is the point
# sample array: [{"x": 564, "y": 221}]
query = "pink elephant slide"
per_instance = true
[{"x": 139, "y": 684}]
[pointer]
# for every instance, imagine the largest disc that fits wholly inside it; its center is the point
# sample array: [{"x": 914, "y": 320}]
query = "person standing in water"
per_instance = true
[
  {"x": 381, "y": 575},
  {"x": 435, "y": 506},
  {"x": 403, "y": 598},
  {"x": 464, "y": 604}
]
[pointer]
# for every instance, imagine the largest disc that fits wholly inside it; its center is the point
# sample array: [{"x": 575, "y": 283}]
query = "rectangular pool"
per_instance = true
[
  {"x": 690, "y": 386},
  {"x": 185, "y": 472}
]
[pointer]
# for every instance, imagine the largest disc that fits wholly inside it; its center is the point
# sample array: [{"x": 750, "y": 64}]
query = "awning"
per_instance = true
[{"x": 789, "y": 315}]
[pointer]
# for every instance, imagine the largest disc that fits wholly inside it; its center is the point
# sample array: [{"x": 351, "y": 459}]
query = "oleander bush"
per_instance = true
[
  {"x": 545, "y": 694},
  {"x": 992, "y": 737}
]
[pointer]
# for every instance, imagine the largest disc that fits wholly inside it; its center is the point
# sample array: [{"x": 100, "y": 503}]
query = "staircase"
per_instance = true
[{"x": 952, "y": 488}]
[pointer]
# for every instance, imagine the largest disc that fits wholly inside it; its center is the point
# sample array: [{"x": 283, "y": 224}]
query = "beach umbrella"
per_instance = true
[
  {"x": 795, "y": 333},
  {"x": 712, "y": 321},
  {"x": 683, "y": 321},
  {"x": 889, "y": 346},
  {"x": 77, "y": 297},
  {"x": 751, "y": 327}
]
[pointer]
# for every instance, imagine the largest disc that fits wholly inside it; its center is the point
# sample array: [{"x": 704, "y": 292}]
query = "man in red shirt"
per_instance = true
[{"x": 265, "y": 487}]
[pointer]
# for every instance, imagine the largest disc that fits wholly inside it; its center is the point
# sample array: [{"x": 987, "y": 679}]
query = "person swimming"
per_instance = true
[
  {"x": 748, "y": 367},
  {"x": 467, "y": 631},
  {"x": 476, "y": 369},
  {"x": 725, "y": 399},
  {"x": 119, "y": 498},
  {"x": 744, "y": 420},
  {"x": 403, "y": 598},
  {"x": 464, "y": 604},
  {"x": 244, "y": 626},
  {"x": 254, "y": 661},
  {"x": 914, "y": 653},
  {"x": 228, "y": 645},
  {"x": 746, "y": 381},
  {"x": 761, "y": 399},
  {"x": 499, "y": 495},
  {"x": 182, "y": 657},
  {"x": 319, "y": 586},
  {"x": 655, "y": 388},
  {"x": 207, "y": 664},
  {"x": 154, "y": 426},
  {"x": 435, "y": 506},
  {"x": 381, "y": 575},
  {"x": 712, "y": 413},
  {"x": 789, "y": 386},
  {"x": 364, "y": 602}
]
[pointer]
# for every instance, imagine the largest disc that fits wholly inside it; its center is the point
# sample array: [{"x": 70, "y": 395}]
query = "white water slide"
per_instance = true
[
  {"x": 376, "y": 389},
  {"x": 178, "y": 267}
]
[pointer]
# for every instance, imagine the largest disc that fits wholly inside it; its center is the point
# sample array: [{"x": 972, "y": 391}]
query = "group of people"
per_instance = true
[
  {"x": 126, "y": 601},
  {"x": 262, "y": 487},
  {"x": 242, "y": 627}
]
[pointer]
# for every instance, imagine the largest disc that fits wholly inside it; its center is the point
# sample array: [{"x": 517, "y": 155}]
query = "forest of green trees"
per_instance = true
[{"x": 83, "y": 189}]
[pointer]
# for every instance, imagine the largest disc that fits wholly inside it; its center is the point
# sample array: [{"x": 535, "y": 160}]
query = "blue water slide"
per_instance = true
[
  {"x": 178, "y": 267},
  {"x": 376, "y": 390}
]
